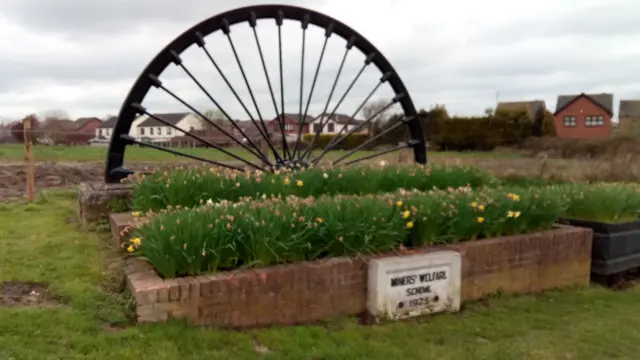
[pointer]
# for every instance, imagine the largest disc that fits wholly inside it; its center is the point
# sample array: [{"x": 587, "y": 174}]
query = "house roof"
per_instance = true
[
  {"x": 171, "y": 118},
  {"x": 532, "y": 107},
  {"x": 603, "y": 100},
  {"x": 629, "y": 108},
  {"x": 341, "y": 119},
  {"x": 296, "y": 117},
  {"x": 109, "y": 123},
  {"x": 85, "y": 120}
]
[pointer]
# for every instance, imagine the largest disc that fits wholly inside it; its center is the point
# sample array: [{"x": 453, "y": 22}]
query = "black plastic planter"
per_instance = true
[{"x": 616, "y": 247}]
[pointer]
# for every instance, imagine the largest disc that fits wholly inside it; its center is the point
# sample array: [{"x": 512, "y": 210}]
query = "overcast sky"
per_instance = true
[{"x": 84, "y": 56}]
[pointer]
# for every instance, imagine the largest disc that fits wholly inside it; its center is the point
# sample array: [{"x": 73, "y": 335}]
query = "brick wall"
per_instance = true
[{"x": 311, "y": 291}]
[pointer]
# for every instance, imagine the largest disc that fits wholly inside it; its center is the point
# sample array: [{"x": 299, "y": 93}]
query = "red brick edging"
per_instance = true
[{"x": 315, "y": 290}]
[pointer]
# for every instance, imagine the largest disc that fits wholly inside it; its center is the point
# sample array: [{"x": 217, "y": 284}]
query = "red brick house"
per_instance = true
[
  {"x": 88, "y": 125},
  {"x": 291, "y": 124},
  {"x": 584, "y": 116}
]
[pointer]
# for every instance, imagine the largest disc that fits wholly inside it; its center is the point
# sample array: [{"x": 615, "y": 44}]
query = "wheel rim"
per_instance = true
[{"x": 298, "y": 155}]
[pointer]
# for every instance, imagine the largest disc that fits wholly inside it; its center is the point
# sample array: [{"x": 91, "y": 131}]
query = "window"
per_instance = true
[
  {"x": 288, "y": 127},
  {"x": 99, "y": 132},
  {"x": 168, "y": 130},
  {"x": 331, "y": 127},
  {"x": 150, "y": 131},
  {"x": 141, "y": 131},
  {"x": 570, "y": 121},
  {"x": 159, "y": 131},
  {"x": 316, "y": 128},
  {"x": 594, "y": 120}
]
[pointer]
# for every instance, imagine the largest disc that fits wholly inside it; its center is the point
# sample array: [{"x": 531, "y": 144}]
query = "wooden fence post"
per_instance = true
[{"x": 31, "y": 183}]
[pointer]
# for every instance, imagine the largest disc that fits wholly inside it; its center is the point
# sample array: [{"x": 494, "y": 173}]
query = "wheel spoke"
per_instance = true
[
  {"x": 333, "y": 141},
  {"x": 265, "y": 135},
  {"x": 253, "y": 23},
  {"x": 142, "y": 110},
  {"x": 158, "y": 84},
  {"x": 132, "y": 140},
  {"x": 285, "y": 143},
  {"x": 304, "y": 26},
  {"x": 326, "y": 106},
  {"x": 327, "y": 34},
  {"x": 411, "y": 143},
  {"x": 366, "y": 143},
  {"x": 262, "y": 156},
  {"x": 227, "y": 31}
]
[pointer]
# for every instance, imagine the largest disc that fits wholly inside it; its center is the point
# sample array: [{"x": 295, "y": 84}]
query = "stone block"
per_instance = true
[{"x": 406, "y": 286}]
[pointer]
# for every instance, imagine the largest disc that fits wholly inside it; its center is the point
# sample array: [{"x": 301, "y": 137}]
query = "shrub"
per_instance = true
[
  {"x": 504, "y": 128},
  {"x": 613, "y": 147},
  {"x": 228, "y": 235},
  {"x": 350, "y": 142},
  {"x": 192, "y": 186},
  {"x": 603, "y": 202}
]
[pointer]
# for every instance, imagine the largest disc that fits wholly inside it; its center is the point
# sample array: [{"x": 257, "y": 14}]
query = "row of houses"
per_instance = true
[
  {"x": 149, "y": 128},
  {"x": 584, "y": 116}
]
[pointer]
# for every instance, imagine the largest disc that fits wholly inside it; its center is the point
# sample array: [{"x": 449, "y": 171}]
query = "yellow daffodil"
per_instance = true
[
  {"x": 399, "y": 203},
  {"x": 513, "y": 197},
  {"x": 410, "y": 224},
  {"x": 136, "y": 213},
  {"x": 135, "y": 241},
  {"x": 299, "y": 183},
  {"x": 481, "y": 207},
  {"x": 286, "y": 181},
  {"x": 513, "y": 214},
  {"x": 480, "y": 219},
  {"x": 474, "y": 204},
  {"x": 406, "y": 214},
  {"x": 319, "y": 220},
  {"x": 130, "y": 248}
]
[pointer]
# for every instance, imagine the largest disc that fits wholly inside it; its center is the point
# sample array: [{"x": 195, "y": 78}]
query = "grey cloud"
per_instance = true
[
  {"x": 79, "y": 18},
  {"x": 538, "y": 58},
  {"x": 609, "y": 19}
]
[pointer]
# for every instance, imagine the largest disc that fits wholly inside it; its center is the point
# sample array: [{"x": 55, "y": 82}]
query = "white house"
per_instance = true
[
  {"x": 150, "y": 129},
  {"x": 335, "y": 124},
  {"x": 153, "y": 130},
  {"x": 104, "y": 131}
]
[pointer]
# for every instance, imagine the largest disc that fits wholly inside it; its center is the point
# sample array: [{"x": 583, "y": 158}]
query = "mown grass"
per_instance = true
[
  {"x": 41, "y": 242},
  {"x": 15, "y": 152}
]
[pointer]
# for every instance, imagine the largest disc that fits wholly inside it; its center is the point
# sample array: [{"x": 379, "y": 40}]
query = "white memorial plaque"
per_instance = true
[{"x": 406, "y": 286}]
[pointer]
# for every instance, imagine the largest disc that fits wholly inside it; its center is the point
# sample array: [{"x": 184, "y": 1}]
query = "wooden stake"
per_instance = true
[{"x": 31, "y": 182}]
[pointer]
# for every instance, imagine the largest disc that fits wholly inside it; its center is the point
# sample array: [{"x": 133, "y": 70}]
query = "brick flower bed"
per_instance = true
[{"x": 311, "y": 291}]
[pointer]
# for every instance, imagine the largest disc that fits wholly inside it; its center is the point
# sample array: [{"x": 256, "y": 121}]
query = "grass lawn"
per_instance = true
[
  {"x": 41, "y": 242},
  {"x": 137, "y": 154}
]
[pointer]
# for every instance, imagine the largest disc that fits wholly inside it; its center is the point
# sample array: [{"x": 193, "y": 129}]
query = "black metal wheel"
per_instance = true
[{"x": 265, "y": 149}]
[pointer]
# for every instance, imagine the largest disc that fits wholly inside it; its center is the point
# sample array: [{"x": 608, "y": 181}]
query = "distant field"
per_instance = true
[{"x": 15, "y": 153}]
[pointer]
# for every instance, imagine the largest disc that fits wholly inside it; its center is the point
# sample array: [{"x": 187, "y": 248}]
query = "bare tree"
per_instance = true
[
  {"x": 54, "y": 114},
  {"x": 214, "y": 115},
  {"x": 372, "y": 108}
]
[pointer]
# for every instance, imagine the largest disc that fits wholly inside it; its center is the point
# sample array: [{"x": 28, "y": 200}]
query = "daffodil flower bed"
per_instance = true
[
  {"x": 228, "y": 235},
  {"x": 192, "y": 186},
  {"x": 605, "y": 202}
]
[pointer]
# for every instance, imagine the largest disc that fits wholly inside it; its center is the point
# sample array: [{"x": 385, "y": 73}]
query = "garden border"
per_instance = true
[{"x": 308, "y": 292}]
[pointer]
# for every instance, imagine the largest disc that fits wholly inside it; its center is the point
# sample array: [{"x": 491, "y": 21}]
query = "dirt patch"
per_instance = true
[
  {"x": 52, "y": 175},
  {"x": 18, "y": 293},
  {"x": 618, "y": 282}
]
